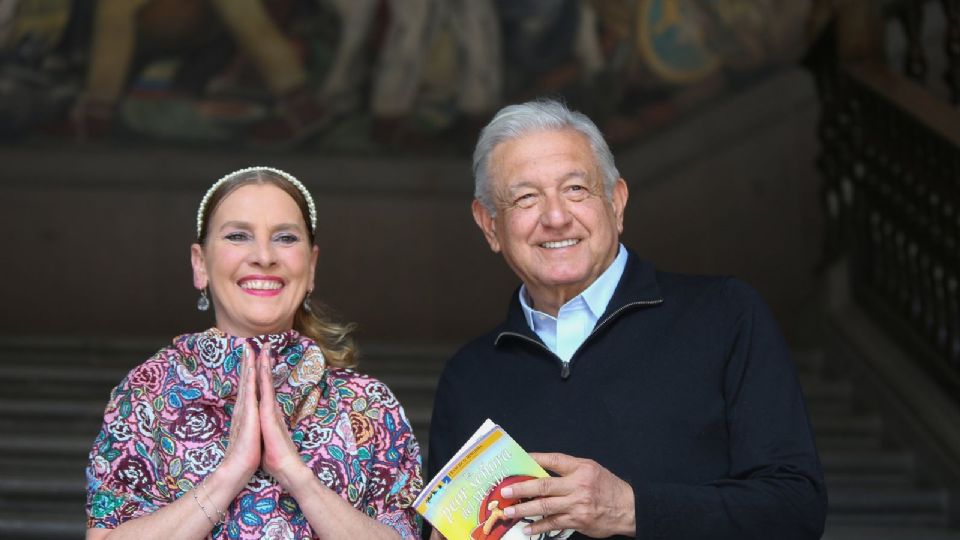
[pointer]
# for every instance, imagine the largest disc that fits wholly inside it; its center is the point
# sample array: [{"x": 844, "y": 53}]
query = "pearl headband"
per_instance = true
[{"x": 286, "y": 176}]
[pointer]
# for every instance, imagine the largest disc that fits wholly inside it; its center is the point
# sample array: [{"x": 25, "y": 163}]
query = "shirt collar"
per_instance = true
[
  {"x": 597, "y": 296},
  {"x": 638, "y": 287}
]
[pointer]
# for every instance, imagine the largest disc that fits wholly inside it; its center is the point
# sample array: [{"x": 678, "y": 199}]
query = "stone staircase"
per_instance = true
[
  {"x": 876, "y": 487},
  {"x": 52, "y": 394}
]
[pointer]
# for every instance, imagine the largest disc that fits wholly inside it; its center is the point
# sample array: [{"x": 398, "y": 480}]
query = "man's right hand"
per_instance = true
[{"x": 585, "y": 497}]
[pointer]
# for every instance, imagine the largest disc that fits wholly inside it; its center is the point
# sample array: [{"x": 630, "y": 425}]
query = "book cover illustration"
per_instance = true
[{"x": 464, "y": 500}]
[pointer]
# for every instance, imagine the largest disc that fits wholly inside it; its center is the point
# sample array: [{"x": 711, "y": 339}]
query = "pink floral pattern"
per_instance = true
[
  {"x": 197, "y": 423},
  {"x": 167, "y": 423}
]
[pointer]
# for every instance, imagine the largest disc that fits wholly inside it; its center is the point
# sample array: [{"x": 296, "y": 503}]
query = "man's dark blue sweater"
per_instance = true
[{"x": 685, "y": 389}]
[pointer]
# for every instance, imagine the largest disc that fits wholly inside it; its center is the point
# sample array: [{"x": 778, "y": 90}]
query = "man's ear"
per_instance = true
[
  {"x": 620, "y": 195},
  {"x": 199, "y": 268},
  {"x": 487, "y": 224}
]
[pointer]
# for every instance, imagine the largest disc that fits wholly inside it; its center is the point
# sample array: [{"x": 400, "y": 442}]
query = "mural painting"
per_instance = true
[{"x": 360, "y": 76}]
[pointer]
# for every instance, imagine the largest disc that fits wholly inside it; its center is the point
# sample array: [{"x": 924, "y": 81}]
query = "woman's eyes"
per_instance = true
[
  {"x": 237, "y": 236},
  {"x": 283, "y": 238},
  {"x": 287, "y": 238}
]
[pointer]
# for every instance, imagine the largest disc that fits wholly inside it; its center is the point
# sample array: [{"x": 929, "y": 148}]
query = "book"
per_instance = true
[{"x": 464, "y": 500}]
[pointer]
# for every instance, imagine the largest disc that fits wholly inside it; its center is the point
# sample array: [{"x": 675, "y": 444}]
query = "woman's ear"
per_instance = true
[
  {"x": 313, "y": 266},
  {"x": 199, "y": 267}
]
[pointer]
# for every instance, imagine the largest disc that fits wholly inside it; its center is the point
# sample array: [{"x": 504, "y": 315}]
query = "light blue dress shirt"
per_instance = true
[{"x": 565, "y": 333}]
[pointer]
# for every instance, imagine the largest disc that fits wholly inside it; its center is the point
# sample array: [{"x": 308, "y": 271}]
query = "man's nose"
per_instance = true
[{"x": 555, "y": 212}]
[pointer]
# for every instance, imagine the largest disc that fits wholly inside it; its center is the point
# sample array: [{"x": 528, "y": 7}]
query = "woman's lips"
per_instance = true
[{"x": 261, "y": 285}]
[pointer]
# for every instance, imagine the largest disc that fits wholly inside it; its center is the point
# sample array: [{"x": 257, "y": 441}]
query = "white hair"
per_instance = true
[{"x": 514, "y": 121}]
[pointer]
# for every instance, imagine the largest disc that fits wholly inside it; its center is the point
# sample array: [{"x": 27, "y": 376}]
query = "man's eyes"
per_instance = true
[
  {"x": 525, "y": 200},
  {"x": 574, "y": 192},
  {"x": 577, "y": 192}
]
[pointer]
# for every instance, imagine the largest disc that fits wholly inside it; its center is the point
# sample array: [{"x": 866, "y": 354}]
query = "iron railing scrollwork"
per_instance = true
[{"x": 890, "y": 162}]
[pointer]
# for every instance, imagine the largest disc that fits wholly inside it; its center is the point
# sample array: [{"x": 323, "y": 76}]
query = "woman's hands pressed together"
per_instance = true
[
  {"x": 244, "y": 446},
  {"x": 259, "y": 437},
  {"x": 279, "y": 456}
]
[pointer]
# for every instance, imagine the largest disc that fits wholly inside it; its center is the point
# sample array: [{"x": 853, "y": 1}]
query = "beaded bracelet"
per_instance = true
[
  {"x": 200, "y": 504},
  {"x": 203, "y": 486}
]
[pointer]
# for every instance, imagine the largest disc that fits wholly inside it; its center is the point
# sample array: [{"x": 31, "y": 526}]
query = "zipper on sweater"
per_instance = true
[
  {"x": 565, "y": 364},
  {"x": 525, "y": 338},
  {"x": 602, "y": 323},
  {"x": 565, "y": 370}
]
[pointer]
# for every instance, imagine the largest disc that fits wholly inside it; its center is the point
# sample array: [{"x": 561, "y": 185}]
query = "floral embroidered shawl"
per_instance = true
[{"x": 167, "y": 423}]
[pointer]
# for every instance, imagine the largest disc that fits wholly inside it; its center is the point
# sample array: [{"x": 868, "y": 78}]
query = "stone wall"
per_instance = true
[{"x": 97, "y": 238}]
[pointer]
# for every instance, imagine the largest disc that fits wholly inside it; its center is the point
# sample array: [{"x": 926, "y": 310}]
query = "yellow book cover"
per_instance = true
[{"x": 463, "y": 501}]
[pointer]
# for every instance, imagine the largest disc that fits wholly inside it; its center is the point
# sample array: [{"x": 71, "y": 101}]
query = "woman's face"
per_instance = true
[{"x": 257, "y": 260}]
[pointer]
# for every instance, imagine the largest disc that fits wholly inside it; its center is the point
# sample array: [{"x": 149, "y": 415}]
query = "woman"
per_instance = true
[{"x": 254, "y": 428}]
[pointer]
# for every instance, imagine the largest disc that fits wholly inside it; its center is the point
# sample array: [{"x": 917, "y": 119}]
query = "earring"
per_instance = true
[
  {"x": 203, "y": 303},
  {"x": 306, "y": 302}
]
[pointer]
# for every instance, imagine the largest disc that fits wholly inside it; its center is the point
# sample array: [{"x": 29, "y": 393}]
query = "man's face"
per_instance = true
[{"x": 553, "y": 223}]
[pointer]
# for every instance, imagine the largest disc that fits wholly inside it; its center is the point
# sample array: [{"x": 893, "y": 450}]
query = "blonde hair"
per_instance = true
[{"x": 332, "y": 337}]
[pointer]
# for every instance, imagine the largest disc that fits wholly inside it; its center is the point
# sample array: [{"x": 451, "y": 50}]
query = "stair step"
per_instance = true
[
  {"x": 811, "y": 361},
  {"x": 848, "y": 462},
  {"x": 45, "y": 445},
  {"x": 826, "y": 390},
  {"x": 840, "y": 442},
  {"x": 65, "y": 408},
  {"x": 887, "y": 520},
  {"x": 53, "y": 374},
  {"x": 45, "y": 525},
  {"x": 838, "y": 481},
  {"x": 882, "y": 501},
  {"x": 829, "y": 408},
  {"x": 400, "y": 361},
  {"x": 86, "y": 428},
  {"x": 846, "y": 424},
  {"x": 59, "y": 467},
  {"x": 840, "y": 531},
  {"x": 34, "y": 485},
  {"x": 398, "y": 383},
  {"x": 40, "y": 417},
  {"x": 75, "y": 357}
]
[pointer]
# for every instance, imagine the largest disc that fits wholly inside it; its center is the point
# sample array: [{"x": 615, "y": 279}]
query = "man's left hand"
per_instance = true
[{"x": 585, "y": 497}]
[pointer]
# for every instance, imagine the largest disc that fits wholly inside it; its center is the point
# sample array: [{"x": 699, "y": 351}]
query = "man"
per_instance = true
[{"x": 665, "y": 405}]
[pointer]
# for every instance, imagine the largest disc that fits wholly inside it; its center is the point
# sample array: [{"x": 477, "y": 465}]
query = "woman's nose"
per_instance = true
[{"x": 264, "y": 253}]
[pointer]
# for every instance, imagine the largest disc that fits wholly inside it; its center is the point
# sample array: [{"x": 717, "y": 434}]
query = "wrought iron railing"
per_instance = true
[{"x": 890, "y": 161}]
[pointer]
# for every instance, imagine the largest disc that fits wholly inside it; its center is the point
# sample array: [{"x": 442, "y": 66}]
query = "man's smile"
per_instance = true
[{"x": 557, "y": 244}]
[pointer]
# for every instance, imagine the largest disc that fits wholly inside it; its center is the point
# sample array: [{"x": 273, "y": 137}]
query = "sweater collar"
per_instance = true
[{"x": 637, "y": 287}]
